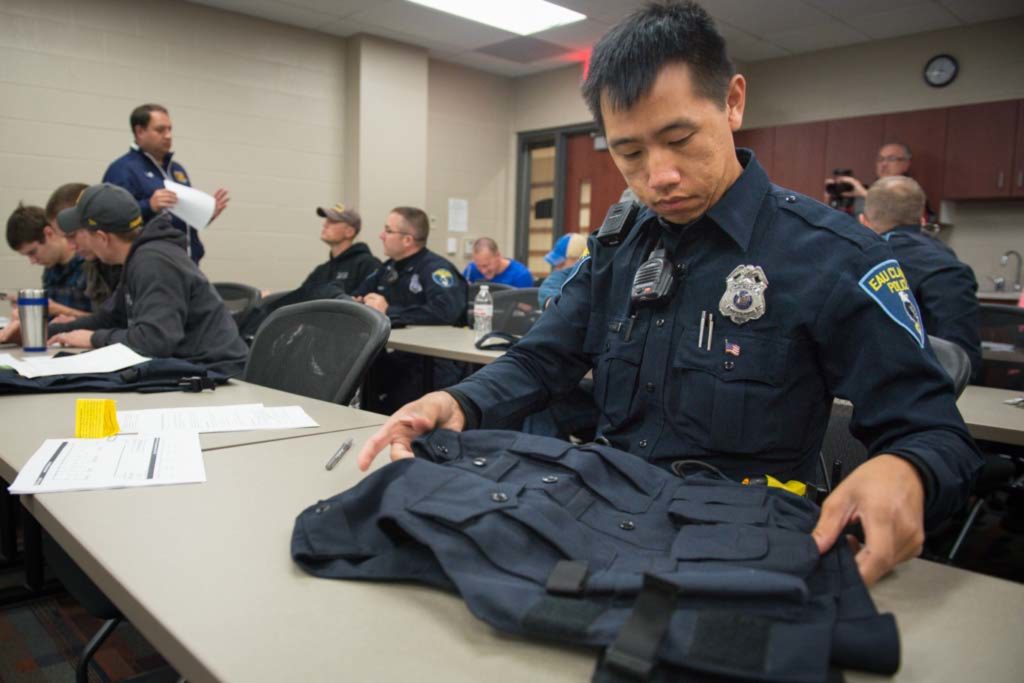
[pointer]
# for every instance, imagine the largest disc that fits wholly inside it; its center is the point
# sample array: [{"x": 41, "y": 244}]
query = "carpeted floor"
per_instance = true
[{"x": 40, "y": 642}]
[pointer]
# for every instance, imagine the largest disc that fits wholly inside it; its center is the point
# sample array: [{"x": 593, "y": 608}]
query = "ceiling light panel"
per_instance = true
[{"x": 523, "y": 16}]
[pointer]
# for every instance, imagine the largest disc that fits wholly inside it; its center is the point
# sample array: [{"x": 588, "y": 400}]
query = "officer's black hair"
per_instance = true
[
  {"x": 25, "y": 225},
  {"x": 416, "y": 219},
  {"x": 142, "y": 113},
  {"x": 626, "y": 61}
]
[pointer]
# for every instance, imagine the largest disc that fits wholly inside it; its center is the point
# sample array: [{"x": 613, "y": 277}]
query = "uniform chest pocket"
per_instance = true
[
  {"x": 616, "y": 368},
  {"x": 729, "y": 395}
]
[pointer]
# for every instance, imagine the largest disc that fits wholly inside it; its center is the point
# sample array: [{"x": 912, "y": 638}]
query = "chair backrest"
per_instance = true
[
  {"x": 239, "y": 299},
  {"x": 954, "y": 360},
  {"x": 516, "y": 310},
  {"x": 321, "y": 349}
]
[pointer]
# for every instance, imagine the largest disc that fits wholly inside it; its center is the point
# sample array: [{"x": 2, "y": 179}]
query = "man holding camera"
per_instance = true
[{"x": 846, "y": 193}]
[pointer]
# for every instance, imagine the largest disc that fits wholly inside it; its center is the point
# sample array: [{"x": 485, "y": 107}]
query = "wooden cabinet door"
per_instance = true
[
  {"x": 762, "y": 141},
  {"x": 853, "y": 144},
  {"x": 1018, "y": 164},
  {"x": 925, "y": 133},
  {"x": 592, "y": 184},
  {"x": 799, "y": 158},
  {"x": 979, "y": 150}
]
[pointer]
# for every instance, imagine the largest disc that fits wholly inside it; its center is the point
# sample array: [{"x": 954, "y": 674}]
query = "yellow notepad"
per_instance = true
[{"x": 95, "y": 418}]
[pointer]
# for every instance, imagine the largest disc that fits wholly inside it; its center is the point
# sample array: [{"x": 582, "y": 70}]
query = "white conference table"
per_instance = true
[
  {"x": 438, "y": 341},
  {"x": 31, "y": 418},
  {"x": 205, "y": 573}
]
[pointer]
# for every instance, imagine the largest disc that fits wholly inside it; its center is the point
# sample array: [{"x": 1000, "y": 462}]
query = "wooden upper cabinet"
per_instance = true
[
  {"x": 799, "y": 158},
  {"x": 853, "y": 144},
  {"x": 1018, "y": 165},
  {"x": 762, "y": 141},
  {"x": 925, "y": 133},
  {"x": 980, "y": 140}
]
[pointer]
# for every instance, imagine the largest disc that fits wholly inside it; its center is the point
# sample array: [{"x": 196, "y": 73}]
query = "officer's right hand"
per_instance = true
[
  {"x": 436, "y": 410},
  {"x": 162, "y": 199}
]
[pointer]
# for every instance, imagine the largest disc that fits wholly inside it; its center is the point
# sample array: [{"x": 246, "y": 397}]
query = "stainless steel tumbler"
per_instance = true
[{"x": 32, "y": 311}]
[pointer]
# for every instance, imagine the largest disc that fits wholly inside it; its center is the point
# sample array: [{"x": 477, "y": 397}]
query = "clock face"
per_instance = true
[{"x": 940, "y": 70}]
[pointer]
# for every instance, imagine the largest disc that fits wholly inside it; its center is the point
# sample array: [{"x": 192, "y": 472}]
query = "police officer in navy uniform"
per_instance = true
[
  {"x": 415, "y": 286},
  {"x": 944, "y": 287},
  {"x": 777, "y": 305}
]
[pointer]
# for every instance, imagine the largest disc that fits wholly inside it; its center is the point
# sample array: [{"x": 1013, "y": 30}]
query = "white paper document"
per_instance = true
[
  {"x": 458, "y": 215},
  {"x": 236, "y": 418},
  {"x": 195, "y": 207},
  {"x": 996, "y": 346},
  {"x": 114, "y": 462},
  {"x": 105, "y": 359}
]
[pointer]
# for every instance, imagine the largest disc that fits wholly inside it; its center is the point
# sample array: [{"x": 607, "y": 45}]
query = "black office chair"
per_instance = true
[
  {"x": 515, "y": 310},
  {"x": 320, "y": 349},
  {"x": 474, "y": 289},
  {"x": 1001, "y": 325},
  {"x": 841, "y": 453},
  {"x": 239, "y": 299}
]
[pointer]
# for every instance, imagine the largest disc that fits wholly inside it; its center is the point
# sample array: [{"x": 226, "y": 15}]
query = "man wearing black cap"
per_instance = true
[
  {"x": 163, "y": 307},
  {"x": 349, "y": 264}
]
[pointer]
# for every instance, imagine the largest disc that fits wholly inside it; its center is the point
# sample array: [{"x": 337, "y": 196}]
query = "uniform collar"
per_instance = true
[
  {"x": 905, "y": 229},
  {"x": 736, "y": 212},
  {"x": 409, "y": 261}
]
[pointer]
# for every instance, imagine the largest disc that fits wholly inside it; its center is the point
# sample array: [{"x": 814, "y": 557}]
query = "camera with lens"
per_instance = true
[{"x": 836, "y": 188}]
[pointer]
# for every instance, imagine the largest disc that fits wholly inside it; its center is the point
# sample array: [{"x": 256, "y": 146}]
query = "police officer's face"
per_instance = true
[
  {"x": 674, "y": 147},
  {"x": 892, "y": 160},
  {"x": 396, "y": 237},
  {"x": 156, "y": 137}
]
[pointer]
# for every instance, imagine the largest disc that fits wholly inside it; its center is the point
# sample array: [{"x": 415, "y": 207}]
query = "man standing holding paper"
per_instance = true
[{"x": 143, "y": 170}]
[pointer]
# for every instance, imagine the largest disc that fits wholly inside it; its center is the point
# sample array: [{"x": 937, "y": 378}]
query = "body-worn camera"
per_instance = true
[{"x": 836, "y": 188}]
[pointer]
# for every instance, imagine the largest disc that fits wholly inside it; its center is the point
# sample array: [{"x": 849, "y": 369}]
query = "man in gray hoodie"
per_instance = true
[{"x": 164, "y": 307}]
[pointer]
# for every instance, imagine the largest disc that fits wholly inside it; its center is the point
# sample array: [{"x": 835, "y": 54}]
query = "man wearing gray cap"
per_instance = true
[{"x": 163, "y": 307}]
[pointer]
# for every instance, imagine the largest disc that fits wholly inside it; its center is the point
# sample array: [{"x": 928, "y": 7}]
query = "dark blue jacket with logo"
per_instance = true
[
  {"x": 422, "y": 289},
  {"x": 752, "y": 398},
  {"x": 139, "y": 173}
]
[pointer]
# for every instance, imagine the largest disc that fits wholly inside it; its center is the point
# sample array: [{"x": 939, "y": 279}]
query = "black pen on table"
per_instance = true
[{"x": 342, "y": 450}]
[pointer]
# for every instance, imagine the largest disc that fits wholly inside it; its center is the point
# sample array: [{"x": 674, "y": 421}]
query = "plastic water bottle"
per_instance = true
[{"x": 483, "y": 313}]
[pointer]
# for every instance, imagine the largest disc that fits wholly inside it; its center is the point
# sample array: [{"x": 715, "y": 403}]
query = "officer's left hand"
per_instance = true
[
  {"x": 81, "y": 339},
  {"x": 374, "y": 300},
  {"x": 220, "y": 199},
  {"x": 886, "y": 496}
]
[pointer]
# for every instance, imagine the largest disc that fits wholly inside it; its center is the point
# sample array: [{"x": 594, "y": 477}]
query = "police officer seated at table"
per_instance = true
[
  {"x": 415, "y": 286},
  {"x": 944, "y": 287},
  {"x": 772, "y": 310},
  {"x": 163, "y": 307}
]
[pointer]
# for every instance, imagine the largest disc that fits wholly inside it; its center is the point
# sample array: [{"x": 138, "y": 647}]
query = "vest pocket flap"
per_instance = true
[
  {"x": 704, "y": 513},
  {"x": 720, "y": 542},
  {"x": 746, "y": 496},
  {"x": 551, "y": 449},
  {"x": 461, "y": 499}
]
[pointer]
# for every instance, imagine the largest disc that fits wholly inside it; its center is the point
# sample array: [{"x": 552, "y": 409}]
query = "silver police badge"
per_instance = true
[
  {"x": 744, "y": 294},
  {"x": 414, "y": 284}
]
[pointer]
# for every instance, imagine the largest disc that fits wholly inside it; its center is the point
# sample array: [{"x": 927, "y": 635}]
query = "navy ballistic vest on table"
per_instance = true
[
  {"x": 153, "y": 376},
  {"x": 689, "y": 577}
]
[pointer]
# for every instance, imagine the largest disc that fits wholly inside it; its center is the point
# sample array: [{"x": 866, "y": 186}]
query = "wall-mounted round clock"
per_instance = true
[{"x": 941, "y": 70}]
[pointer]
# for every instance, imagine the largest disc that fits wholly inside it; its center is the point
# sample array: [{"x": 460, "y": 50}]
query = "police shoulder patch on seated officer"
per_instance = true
[
  {"x": 887, "y": 285},
  {"x": 443, "y": 277}
]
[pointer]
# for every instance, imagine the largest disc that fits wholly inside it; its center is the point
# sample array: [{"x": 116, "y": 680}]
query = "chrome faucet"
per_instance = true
[{"x": 1005, "y": 260}]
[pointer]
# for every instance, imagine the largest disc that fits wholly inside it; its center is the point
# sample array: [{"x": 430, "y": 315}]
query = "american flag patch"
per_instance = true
[{"x": 732, "y": 348}]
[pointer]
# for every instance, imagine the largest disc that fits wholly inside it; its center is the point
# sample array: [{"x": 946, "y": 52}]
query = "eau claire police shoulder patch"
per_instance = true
[
  {"x": 887, "y": 285},
  {"x": 443, "y": 277}
]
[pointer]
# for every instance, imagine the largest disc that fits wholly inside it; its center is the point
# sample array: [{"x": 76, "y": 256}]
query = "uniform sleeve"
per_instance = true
[
  {"x": 369, "y": 284},
  {"x": 903, "y": 400},
  {"x": 948, "y": 295},
  {"x": 364, "y": 269},
  {"x": 548, "y": 362},
  {"x": 122, "y": 175},
  {"x": 159, "y": 312},
  {"x": 444, "y": 305}
]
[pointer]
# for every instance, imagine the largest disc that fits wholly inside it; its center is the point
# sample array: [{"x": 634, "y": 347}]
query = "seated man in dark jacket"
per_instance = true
[
  {"x": 163, "y": 307},
  {"x": 349, "y": 264},
  {"x": 944, "y": 287}
]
